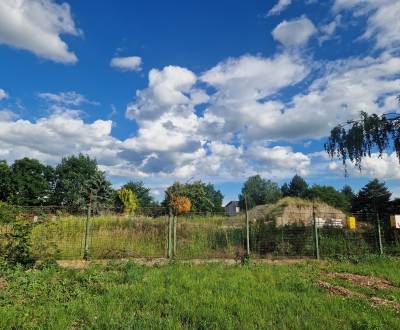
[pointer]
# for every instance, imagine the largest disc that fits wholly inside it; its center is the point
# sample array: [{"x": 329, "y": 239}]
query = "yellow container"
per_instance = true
[{"x": 351, "y": 223}]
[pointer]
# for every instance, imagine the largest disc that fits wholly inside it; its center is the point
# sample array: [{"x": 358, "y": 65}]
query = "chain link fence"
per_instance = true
[{"x": 154, "y": 233}]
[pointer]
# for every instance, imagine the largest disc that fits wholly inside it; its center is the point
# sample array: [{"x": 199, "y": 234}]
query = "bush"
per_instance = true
[
  {"x": 15, "y": 234},
  {"x": 180, "y": 205}
]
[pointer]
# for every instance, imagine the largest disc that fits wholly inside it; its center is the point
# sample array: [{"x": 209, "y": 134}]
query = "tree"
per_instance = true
[
  {"x": 330, "y": 196},
  {"x": 96, "y": 192},
  {"x": 75, "y": 178},
  {"x": 357, "y": 139},
  {"x": 349, "y": 194},
  {"x": 180, "y": 205},
  {"x": 373, "y": 197},
  {"x": 259, "y": 191},
  {"x": 31, "y": 182},
  {"x": 128, "y": 200},
  {"x": 203, "y": 197},
  {"x": 142, "y": 193},
  {"x": 297, "y": 187},
  {"x": 5, "y": 181}
]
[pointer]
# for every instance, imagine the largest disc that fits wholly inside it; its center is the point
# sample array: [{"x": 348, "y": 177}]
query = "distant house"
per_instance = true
[{"x": 232, "y": 208}]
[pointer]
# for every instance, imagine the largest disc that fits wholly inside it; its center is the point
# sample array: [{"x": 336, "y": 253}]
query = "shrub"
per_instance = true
[
  {"x": 128, "y": 200},
  {"x": 180, "y": 205},
  {"x": 15, "y": 234}
]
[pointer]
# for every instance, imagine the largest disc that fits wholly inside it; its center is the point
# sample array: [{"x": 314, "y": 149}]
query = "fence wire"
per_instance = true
[{"x": 151, "y": 233}]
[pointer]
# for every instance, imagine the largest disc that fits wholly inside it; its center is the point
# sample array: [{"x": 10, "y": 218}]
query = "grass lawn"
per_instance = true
[{"x": 123, "y": 295}]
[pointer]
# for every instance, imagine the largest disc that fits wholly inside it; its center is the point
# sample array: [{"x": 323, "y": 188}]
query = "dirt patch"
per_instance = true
[
  {"x": 363, "y": 281},
  {"x": 377, "y": 302},
  {"x": 3, "y": 283},
  {"x": 336, "y": 290},
  {"x": 81, "y": 264}
]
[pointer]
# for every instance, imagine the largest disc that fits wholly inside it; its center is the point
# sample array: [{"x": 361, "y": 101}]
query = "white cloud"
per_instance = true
[
  {"x": 3, "y": 94},
  {"x": 296, "y": 32},
  {"x": 278, "y": 161},
  {"x": 383, "y": 23},
  {"x": 36, "y": 26},
  {"x": 130, "y": 63},
  {"x": 386, "y": 167},
  {"x": 66, "y": 98},
  {"x": 280, "y": 6}
]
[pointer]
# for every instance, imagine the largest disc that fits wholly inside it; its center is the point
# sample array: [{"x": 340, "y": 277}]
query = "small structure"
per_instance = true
[{"x": 232, "y": 208}]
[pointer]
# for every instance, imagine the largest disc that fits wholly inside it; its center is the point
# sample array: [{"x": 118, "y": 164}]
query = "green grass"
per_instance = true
[{"x": 179, "y": 296}]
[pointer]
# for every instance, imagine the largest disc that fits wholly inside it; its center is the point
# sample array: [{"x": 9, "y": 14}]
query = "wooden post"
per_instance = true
[
  {"x": 87, "y": 231},
  {"x": 315, "y": 233},
  {"x": 247, "y": 227},
  {"x": 378, "y": 223},
  {"x": 169, "y": 234},
  {"x": 174, "y": 240}
]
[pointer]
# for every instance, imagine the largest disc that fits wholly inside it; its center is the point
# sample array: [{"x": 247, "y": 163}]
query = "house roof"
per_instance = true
[{"x": 236, "y": 203}]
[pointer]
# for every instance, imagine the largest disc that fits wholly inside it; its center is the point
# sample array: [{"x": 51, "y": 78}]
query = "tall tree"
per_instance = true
[
  {"x": 374, "y": 196},
  {"x": 31, "y": 182},
  {"x": 347, "y": 191},
  {"x": 142, "y": 193},
  {"x": 297, "y": 187},
  {"x": 259, "y": 191},
  {"x": 5, "y": 181},
  {"x": 75, "y": 178},
  {"x": 358, "y": 138},
  {"x": 203, "y": 197},
  {"x": 330, "y": 196}
]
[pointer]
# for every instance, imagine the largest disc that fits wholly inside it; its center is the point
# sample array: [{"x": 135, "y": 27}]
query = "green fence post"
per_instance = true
[
  {"x": 378, "y": 223},
  {"x": 87, "y": 233},
  {"x": 315, "y": 233}
]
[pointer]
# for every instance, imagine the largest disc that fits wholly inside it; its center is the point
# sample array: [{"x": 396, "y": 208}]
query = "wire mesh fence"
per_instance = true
[{"x": 153, "y": 233}]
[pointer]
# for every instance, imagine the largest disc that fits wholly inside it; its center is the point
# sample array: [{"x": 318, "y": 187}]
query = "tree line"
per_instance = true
[
  {"x": 373, "y": 197},
  {"x": 77, "y": 182}
]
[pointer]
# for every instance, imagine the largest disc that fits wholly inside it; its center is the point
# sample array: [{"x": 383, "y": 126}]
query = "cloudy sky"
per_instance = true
[{"x": 214, "y": 90}]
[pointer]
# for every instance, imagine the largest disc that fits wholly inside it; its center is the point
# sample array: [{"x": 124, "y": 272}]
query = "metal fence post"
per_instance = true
[
  {"x": 378, "y": 223},
  {"x": 315, "y": 233},
  {"x": 247, "y": 227},
  {"x": 87, "y": 233}
]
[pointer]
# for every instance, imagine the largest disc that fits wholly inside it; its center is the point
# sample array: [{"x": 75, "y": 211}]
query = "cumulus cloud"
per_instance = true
[
  {"x": 66, "y": 98},
  {"x": 129, "y": 63},
  {"x": 383, "y": 23},
  {"x": 3, "y": 94},
  {"x": 294, "y": 33},
  {"x": 280, "y": 6},
  {"x": 37, "y": 26}
]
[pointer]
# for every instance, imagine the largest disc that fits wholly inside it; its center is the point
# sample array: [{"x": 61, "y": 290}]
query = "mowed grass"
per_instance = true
[{"x": 180, "y": 296}]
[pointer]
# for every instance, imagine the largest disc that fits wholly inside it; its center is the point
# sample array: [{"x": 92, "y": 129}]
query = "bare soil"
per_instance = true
[{"x": 363, "y": 281}]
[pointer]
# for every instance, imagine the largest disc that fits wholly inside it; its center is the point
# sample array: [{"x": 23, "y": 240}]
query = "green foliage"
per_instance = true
[
  {"x": 297, "y": 187},
  {"x": 31, "y": 182},
  {"x": 204, "y": 197},
  {"x": 358, "y": 138},
  {"x": 128, "y": 200},
  {"x": 5, "y": 181},
  {"x": 374, "y": 196},
  {"x": 259, "y": 191},
  {"x": 330, "y": 196},
  {"x": 142, "y": 193},
  {"x": 15, "y": 247},
  {"x": 77, "y": 178}
]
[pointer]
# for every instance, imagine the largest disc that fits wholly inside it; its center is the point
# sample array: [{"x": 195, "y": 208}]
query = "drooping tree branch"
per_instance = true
[{"x": 356, "y": 139}]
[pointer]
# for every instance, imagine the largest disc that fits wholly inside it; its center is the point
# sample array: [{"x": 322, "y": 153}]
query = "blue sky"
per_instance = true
[{"x": 214, "y": 90}]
